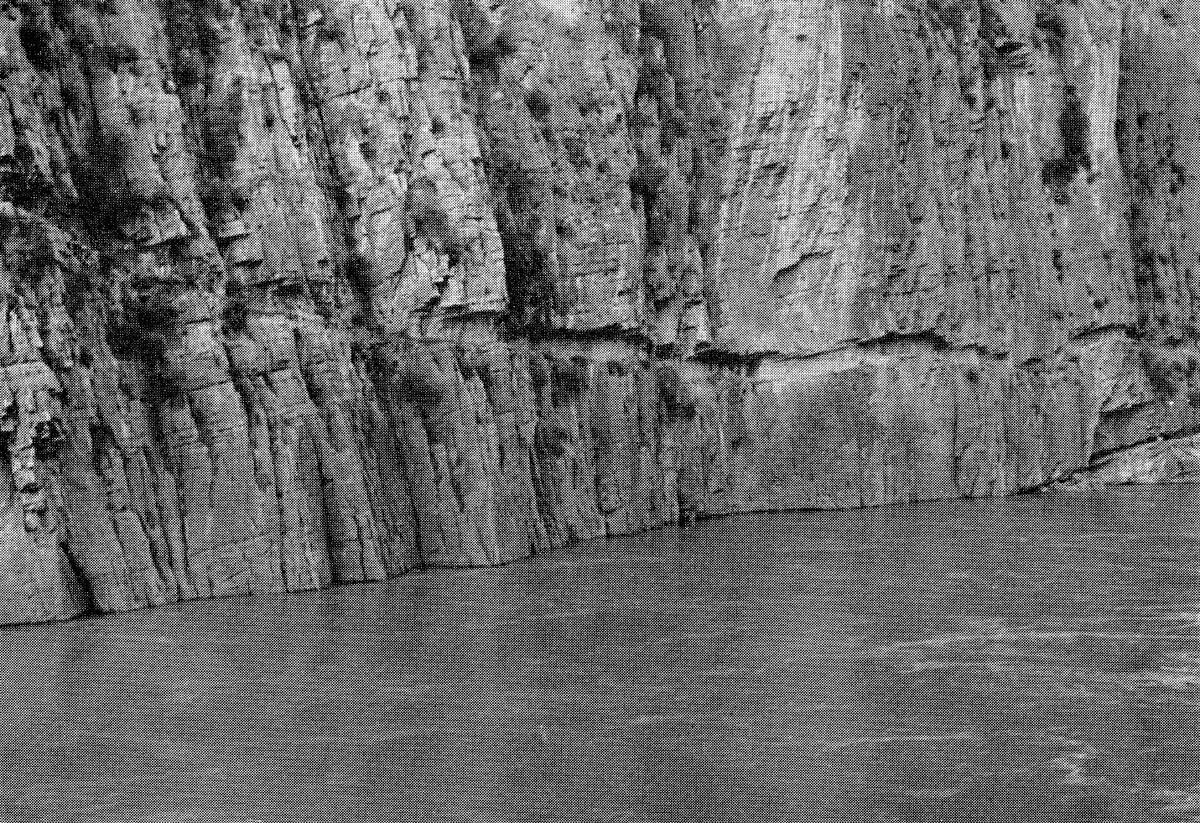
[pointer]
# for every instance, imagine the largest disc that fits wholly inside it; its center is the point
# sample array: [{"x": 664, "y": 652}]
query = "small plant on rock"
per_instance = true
[
  {"x": 1053, "y": 32},
  {"x": 539, "y": 371},
  {"x": 431, "y": 221},
  {"x": 114, "y": 55},
  {"x": 140, "y": 332},
  {"x": 525, "y": 276},
  {"x": 486, "y": 44},
  {"x": 1164, "y": 372},
  {"x": 570, "y": 376},
  {"x": 37, "y": 39},
  {"x": 189, "y": 68},
  {"x": 537, "y": 100},
  {"x": 671, "y": 389},
  {"x": 1058, "y": 172},
  {"x": 223, "y": 127},
  {"x": 334, "y": 29},
  {"x": 1075, "y": 128},
  {"x": 646, "y": 179},
  {"x": 358, "y": 271},
  {"x": 233, "y": 316}
]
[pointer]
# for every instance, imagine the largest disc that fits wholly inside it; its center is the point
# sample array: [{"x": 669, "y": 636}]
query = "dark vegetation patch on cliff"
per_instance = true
[
  {"x": 1059, "y": 171},
  {"x": 139, "y": 331},
  {"x": 416, "y": 384},
  {"x": 1171, "y": 372},
  {"x": 525, "y": 270},
  {"x": 37, "y": 35},
  {"x": 431, "y": 221},
  {"x": 1050, "y": 29},
  {"x": 486, "y": 42},
  {"x": 569, "y": 376},
  {"x": 108, "y": 200}
]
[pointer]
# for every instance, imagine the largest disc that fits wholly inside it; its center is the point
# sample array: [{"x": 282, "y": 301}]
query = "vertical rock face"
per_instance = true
[
  {"x": 924, "y": 250},
  {"x": 300, "y": 293}
]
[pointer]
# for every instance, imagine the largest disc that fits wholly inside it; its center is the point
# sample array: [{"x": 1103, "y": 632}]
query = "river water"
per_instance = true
[{"x": 1028, "y": 659}]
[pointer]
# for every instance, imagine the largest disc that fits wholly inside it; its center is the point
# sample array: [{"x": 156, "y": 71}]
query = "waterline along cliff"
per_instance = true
[{"x": 319, "y": 291}]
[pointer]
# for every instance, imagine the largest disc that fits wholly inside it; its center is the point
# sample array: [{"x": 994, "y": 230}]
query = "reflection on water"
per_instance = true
[{"x": 1031, "y": 659}]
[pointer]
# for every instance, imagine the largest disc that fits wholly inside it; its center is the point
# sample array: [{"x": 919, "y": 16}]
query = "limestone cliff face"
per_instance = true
[{"x": 306, "y": 292}]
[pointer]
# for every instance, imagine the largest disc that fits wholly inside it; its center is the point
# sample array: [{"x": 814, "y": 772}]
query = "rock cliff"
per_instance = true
[{"x": 299, "y": 292}]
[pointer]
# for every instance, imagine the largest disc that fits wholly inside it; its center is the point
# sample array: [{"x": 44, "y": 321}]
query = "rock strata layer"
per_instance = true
[{"x": 308, "y": 292}]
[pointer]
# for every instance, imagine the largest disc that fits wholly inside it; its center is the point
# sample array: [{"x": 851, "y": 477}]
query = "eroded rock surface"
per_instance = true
[{"x": 300, "y": 293}]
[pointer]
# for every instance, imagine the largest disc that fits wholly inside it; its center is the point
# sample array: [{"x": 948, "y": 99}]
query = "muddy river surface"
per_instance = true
[{"x": 1028, "y": 659}]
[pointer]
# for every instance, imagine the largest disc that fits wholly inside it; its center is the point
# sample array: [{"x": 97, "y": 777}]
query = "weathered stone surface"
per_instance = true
[
  {"x": 1160, "y": 461},
  {"x": 310, "y": 293}
]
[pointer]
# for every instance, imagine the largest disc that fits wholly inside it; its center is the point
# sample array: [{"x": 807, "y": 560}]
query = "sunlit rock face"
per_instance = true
[
  {"x": 307, "y": 293},
  {"x": 924, "y": 251}
]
